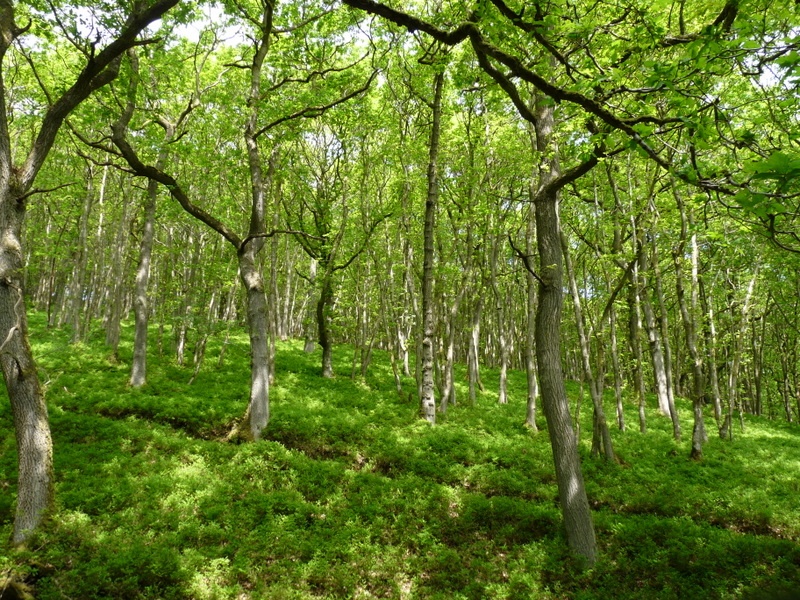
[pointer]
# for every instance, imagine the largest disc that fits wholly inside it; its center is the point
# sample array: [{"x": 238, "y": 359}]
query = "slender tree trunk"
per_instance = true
[
  {"x": 473, "y": 362},
  {"x": 656, "y": 351},
  {"x": 427, "y": 400},
  {"x": 77, "y": 287},
  {"x": 308, "y": 324},
  {"x": 634, "y": 326},
  {"x": 664, "y": 324},
  {"x": 530, "y": 322},
  {"x": 500, "y": 310},
  {"x": 688, "y": 316},
  {"x": 710, "y": 333},
  {"x": 140, "y": 303},
  {"x": 449, "y": 388},
  {"x": 617, "y": 371},
  {"x": 738, "y": 335},
  {"x": 115, "y": 287},
  {"x": 601, "y": 442},
  {"x": 323, "y": 327}
]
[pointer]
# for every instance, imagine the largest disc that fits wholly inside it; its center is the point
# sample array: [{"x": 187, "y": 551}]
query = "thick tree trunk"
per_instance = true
[
  {"x": 28, "y": 406},
  {"x": 569, "y": 477},
  {"x": 571, "y": 490},
  {"x": 257, "y": 414}
]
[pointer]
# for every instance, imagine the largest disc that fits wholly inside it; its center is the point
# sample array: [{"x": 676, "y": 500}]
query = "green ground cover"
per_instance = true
[{"x": 352, "y": 496}]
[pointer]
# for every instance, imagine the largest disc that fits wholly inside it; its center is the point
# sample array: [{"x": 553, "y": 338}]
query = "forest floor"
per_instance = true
[{"x": 353, "y": 496}]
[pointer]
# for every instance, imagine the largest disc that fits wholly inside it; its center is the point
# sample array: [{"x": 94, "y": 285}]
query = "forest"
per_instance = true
[{"x": 432, "y": 299}]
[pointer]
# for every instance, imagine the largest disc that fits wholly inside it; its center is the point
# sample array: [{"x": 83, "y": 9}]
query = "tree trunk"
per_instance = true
[
  {"x": 78, "y": 284},
  {"x": 29, "y": 409},
  {"x": 323, "y": 328},
  {"x": 601, "y": 442},
  {"x": 531, "y": 298},
  {"x": 664, "y": 324},
  {"x": 656, "y": 352},
  {"x": 500, "y": 312},
  {"x": 473, "y": 362},
  {"x": 115, "y": 285},
  {"x": 569, "y": 477},
  {"x": 140, "y": 303},
  {"x": 634, "y": 326},
  {"x": 738, "y": 335},
  {"x": 688, "y": 316},
  {"x": 710, "y": 333},
  {"x": 427, "y": 400},
  {"x": 449, "y": 388},
  {"x": 617, "y": 371},
  {"x": 308, "y": 324},
  {"x": 571, "y": 490},
  {"x": 257, "y": 415}
]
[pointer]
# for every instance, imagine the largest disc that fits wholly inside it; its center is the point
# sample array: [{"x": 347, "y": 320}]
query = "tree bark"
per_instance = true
[
  {"x": 77, "y": 292},
  {"x": 35, "y": 490},
  {"x": 323, "y": 327},
  {"x": 257, "y": 414},
  {"x": 427, "y": 400},
  {"x": 569, "y": 477},
  {"x": 309, "y": 321},
  {"x": 473, "y": 358},
  {"x": 601, "y": 442},
  {"x": 531, "y": 298},
  {"x": 688, "y": 316},
  {"x": 571, "y": 490},
  {"x": 140, "y": 303},
  {"x": 634, "y": 327}
]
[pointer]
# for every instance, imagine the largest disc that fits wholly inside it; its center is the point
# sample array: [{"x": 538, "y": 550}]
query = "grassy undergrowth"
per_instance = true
[{"x": 352, "y": 496}]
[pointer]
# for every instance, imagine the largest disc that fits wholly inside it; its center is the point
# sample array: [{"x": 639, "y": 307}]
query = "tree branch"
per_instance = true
[
  {"x": 525, "y": 260},
  {"x": 312, "y": 112},
  {"x": 98, "y": 71}
]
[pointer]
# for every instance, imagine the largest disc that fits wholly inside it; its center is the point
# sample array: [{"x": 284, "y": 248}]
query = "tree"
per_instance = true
[{"x": 34, "y": 445}]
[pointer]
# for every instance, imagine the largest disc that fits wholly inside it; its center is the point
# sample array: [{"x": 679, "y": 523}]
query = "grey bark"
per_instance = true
[
  {"x": 78, "y": 284},
  {"x": 310, "y": 320},
  {"x": 531, "y": 301},
  {"x": 601, "y": 439},
  {"x": 427, "y": 400},
  {"x": 689, "y": 318},
  {"x": 569, "y": 477}
]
